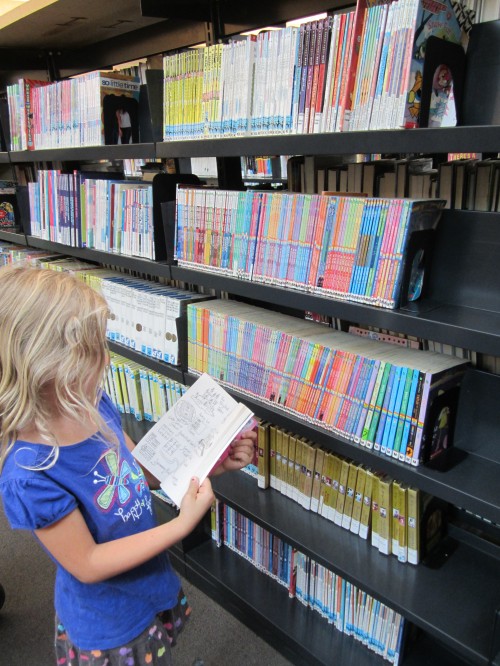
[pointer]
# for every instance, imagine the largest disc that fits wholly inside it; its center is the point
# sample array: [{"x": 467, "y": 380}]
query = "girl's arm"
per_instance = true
[
  {"x": 70, "y": 542},
  {"x": 241, "y": 454}
]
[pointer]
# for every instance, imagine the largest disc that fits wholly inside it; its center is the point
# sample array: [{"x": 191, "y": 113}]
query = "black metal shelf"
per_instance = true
[
  {"x": 422, "y": 140},
  {"x": 470, "y": 471},
  {"x": 470, "y": 484},
  {"x": 171, "y": 371},
  {"x": 425, "y": 140},
  {"x": 300, "y": 634},
  {"x": 434, "y": 599},
  {"x": 13, "y": 237},
  {"x": 454, "y": 324},
  {"x": 156, "y": 268},
  {"x": 82, "y": 153},
  {"x": 454, "y": 604},
  {"x": 4, "y": 157}
]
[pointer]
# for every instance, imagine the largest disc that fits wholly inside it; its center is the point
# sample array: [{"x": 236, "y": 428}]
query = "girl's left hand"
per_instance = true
[{"x": 241, "y": 453}]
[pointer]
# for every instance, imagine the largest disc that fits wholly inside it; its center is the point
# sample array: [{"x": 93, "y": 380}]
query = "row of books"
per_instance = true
[
  {"x": 263, "y": 167},
  {"x": 391, "y": 399},
  {"x": 80, "y": 111},
  {"x": 396, "y": 518},
  {"x": 349, "y": 609},
  {"x": 352, "y": 248},
  {"x": 485, "y": 10},
  {"x": 354, "y": 70},
  {"x": 372, "y": 175},
  {"x": 10, "y": 253},
  {"x": 470, "y": 184},
  {"x": 143, "y": 315},
  {"x": 143, "y": 393},
  {"x": 98, "y": 213},
  {"x": 465, "y": 183}
]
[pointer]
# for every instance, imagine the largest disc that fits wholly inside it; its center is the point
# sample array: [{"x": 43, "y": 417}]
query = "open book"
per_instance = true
[{"x": 192, "y": 436}]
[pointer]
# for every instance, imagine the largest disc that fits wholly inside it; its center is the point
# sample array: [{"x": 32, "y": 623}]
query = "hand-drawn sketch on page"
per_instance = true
[{"x": 189, "y": 439}]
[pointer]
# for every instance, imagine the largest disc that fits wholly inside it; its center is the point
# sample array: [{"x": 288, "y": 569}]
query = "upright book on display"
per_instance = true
[{"x": 399, "y": 75}]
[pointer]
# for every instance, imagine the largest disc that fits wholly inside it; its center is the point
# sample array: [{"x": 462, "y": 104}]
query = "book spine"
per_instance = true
[
  {"x": 413, "y": 519},
  {"x": 263, "y": 436}
]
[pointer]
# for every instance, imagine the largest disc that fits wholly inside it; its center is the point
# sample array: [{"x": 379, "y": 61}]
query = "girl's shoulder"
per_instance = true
[
  {"x": 32, "y": 499},
  {"x": 108, "y": 410}
]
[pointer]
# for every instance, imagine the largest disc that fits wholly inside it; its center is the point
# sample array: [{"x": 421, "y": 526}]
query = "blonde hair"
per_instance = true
[{"x": 53, "y": 352}]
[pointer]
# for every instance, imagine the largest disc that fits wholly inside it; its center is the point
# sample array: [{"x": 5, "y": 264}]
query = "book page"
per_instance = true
[{"x": 188, "y": 440}]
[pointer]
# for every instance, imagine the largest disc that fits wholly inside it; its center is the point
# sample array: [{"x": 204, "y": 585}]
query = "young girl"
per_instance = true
[{"x": 67, "y": 474}]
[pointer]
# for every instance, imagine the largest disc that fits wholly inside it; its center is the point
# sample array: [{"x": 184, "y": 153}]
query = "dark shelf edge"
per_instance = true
[
  {"x": 299, "y": 633},
  {"x": 171, "y": 371},
  {"x": 429, "y": 480},
  {"x": 463, "y": 485},
  {"x": 443, "y": 139},
  {"x": 422, "y": 320},
  {"x": 13, "y": 237},
  {"x": 156, "y": 268},
  {"x": 420, "y": 593},
  {"x": 4, "y": 157},
  {"x": 137, "y": 150}
]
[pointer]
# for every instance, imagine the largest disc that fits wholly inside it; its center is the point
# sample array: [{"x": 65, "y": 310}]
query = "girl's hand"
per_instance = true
[
  {"x": 196, "y": 502},
  {"x": 242, "y": 451}
]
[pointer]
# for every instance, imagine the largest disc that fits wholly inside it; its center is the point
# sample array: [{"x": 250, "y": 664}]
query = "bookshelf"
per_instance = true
[{"x": 455, "y": 604}]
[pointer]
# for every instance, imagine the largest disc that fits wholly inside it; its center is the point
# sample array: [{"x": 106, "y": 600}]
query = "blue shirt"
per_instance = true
[{"x": 109, "y": 488}]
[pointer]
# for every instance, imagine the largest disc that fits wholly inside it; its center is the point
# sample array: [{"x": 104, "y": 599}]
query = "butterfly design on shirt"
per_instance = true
[
  {"x": 115, "y": 481},
  {"x": 138, "y": 479}
]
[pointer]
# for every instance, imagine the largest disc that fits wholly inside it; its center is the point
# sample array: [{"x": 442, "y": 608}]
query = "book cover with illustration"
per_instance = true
[
  {"x": 8, "y": 205},
  {"x": 119, "y": 94},
  {"x": 434, "y": 18}
]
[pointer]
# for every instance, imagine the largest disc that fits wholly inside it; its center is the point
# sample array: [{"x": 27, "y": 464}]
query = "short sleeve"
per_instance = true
[
  {"x": 35, "y": 503},
  {"x": 108, "y": 411}
]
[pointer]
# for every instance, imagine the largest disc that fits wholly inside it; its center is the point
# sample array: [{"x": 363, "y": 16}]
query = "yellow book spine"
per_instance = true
[
  {"x": 396, "y": 500},
  {"x": 339, "y": 509},
  {"x": 123, "y": 384},
  {"x": 273, "y": 435},
  {"x": 296, "y": 469},
  {"x": 316, "y": 486},
  {"x": 300, "y": 469},
  {"x": 283, "y": 451},
  {"x": 358, "y": 500},
  {"x": 337, "y": 462},
  {"x": 374, "y": 516},
  {"x": 326, "y": 484},
  {"x": 155, "y": 398},
  {"x": 385, "y": 515},
  {"x": 413, "y": 536},
  {"x": 403, "y": 524},
  {"x": 365, "y": 519},
  {"x": 279, "y": 439},
  {"x": 290, "y": 484},
  {"x": 349, "y": 496},
  {"x": 263, "y": 455},
  {"x": 310, "y": 459}
]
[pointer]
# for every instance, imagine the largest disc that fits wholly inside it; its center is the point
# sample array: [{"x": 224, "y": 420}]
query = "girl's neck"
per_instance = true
[{"x": 65, "y": 430}]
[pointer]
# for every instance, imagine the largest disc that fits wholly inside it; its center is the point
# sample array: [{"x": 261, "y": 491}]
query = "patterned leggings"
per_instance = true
[{"x": 151, "y": 648}]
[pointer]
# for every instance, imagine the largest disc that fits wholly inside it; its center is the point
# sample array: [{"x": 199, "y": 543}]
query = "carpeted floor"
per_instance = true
[{"x": 26, "y": 619}]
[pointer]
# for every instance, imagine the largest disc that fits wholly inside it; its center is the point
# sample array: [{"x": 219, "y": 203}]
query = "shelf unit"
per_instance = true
[
  {"x": 456, "y": 605},
  {"x": 434, "y": 599}
]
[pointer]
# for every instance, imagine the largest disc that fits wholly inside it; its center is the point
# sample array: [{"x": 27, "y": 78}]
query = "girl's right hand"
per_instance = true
[{"x": 196, "y": 502}]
